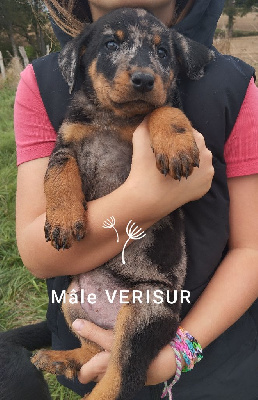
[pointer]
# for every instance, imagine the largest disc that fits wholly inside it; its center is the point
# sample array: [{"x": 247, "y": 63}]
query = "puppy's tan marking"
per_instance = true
[
  {"x": 65, "y": 203},
  {"x": 126, "y": 132},
  {"x": 122, "y": 91},
  {"x": 75, "y": 132},
  {"x": 156, "y": 39},
  {"x": 110, "y": 385},
  {"x": 120, "y": 35},
  {"x": 100, "y": 85}
]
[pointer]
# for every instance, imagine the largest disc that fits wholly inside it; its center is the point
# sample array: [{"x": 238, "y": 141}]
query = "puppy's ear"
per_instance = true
[
  {"x": 192, "y": 56},
  {"x": 70, "y": 55}
]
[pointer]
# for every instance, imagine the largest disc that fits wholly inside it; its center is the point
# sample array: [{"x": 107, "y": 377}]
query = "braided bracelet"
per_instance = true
[
  {"x": 168, "y": 389},
  {"x": 186, "y": 346},
  {"x": 189, "y": 347}
]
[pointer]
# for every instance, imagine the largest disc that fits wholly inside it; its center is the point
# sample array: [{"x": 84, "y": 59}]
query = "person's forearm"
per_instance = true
[
  {"x": 98, "y": 246},
  {"x": 229, "y": 294},
  {"x": 231, "y": 291}
]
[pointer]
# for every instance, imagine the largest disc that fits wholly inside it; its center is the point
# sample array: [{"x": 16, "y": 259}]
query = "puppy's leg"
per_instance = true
[
  {"x": 173, "y": 142},
  {"x": 141, "y": 331},
  {"x": 65, "y": 202},
  {"x": 67, "y": 362}
]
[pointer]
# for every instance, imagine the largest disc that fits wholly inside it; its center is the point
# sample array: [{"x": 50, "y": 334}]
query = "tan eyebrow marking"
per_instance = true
[
  {"x": 157, "y": 39},
  {"x": 120, "y": 34}
]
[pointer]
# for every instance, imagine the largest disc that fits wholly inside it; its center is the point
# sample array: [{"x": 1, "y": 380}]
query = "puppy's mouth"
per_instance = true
[
  {"x": 126, "y": 98},
  {"x": 133, "y": 107},
  {"x": 131, "y": 103}
]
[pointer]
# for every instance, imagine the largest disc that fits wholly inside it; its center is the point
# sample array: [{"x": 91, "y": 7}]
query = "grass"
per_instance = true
[{"x": 23, "y": 298}]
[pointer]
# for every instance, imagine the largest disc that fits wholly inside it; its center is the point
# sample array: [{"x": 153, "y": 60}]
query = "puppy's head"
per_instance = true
[{"x": 131, "y": 61}]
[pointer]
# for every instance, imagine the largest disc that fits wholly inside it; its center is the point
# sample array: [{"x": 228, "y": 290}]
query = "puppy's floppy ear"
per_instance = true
[
  {"x": 69, "y": 56},
  {"x": 192, "y": 56}
]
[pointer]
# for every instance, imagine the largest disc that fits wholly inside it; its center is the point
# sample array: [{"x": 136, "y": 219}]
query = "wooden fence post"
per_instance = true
[
  {"x": 24, "y": 56},
  {"x": 2, "y": 68}
]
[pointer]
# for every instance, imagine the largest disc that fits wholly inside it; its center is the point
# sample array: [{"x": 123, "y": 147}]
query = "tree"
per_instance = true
[
  {"x": 8, "y": 15},
  {"x": 25, "y": 22},
  {"x": 234, "y": 8}
]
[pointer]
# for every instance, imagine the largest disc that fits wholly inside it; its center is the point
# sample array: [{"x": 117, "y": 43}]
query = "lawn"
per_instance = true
[{"x": 23, "y": 298}]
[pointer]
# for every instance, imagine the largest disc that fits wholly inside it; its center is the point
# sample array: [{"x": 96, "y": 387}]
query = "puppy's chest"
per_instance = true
[{"x": 104, "y": 161}]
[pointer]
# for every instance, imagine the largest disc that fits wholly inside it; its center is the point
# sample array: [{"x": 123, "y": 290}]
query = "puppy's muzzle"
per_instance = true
[{"x": 142, "y": 82}]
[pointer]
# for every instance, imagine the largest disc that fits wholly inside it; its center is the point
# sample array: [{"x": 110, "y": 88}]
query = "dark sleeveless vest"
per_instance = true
[{"x": 212, "y": 104}]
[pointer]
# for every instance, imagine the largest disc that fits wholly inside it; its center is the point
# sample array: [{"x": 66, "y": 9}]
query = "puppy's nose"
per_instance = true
[{"x": 142, "y": 82}]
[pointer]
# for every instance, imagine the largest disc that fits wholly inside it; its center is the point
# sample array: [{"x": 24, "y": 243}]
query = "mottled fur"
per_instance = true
[{"x": 131, "y": 62}]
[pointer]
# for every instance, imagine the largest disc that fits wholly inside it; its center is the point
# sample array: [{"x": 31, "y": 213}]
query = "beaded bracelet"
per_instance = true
[{"x": 185, "y": 345}]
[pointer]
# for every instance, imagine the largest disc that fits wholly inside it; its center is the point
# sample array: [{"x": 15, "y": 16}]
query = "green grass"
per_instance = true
[{"x": 23, "y": 298}]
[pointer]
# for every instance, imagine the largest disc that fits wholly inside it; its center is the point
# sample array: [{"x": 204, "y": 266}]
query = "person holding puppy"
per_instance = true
[{"x": 221, "y": 235}]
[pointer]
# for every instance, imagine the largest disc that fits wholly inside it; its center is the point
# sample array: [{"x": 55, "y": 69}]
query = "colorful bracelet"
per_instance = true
[
  {"x": 189, "y": 347},
  {"x": 186, "y": 346},
  {"x": 168, "y": 389}
]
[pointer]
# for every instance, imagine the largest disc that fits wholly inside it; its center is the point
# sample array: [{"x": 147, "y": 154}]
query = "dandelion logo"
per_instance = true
[
  {"x": 135, "y": 234},
  {"x": 109, "y": 224}
]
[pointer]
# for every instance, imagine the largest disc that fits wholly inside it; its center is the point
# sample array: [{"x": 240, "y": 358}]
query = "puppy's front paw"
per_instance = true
[
  {"x": 55, "y": 363},
  {"x": 173, "y": 142},
  {"x": 177, "y": 158},
  {"x": 62, "y": 227}
]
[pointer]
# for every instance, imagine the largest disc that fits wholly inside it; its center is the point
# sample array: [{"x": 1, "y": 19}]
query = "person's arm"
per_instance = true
[
  {"x": 145, "y": 197},
  {"x": 231, "y": 291}
]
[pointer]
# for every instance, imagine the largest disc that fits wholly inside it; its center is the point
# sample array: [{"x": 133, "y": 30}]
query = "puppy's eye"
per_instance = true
[
  {"x": 162, "y": 53},
  {"x": 112, "y": 45}
]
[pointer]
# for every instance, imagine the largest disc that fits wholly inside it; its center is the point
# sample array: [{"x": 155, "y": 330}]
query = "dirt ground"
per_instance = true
[
  {"x": 247, "y": 23},
  {"x": 245, "y": 48}
]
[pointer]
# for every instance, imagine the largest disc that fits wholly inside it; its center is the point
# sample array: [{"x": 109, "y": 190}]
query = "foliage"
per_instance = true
[
  {"x": 234, "y": 8},
  {"x": 24, "y": 23}
]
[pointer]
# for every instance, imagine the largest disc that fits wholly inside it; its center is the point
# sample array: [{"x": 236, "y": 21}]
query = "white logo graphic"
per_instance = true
[
  {"x": 134, "y": 233},
  {"x": 109, "y": 224}
]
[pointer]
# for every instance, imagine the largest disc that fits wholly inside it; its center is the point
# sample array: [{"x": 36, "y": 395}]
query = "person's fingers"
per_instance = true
[
  {"x": 90, "y": 331},
  {"x": 94, "y": 369},
  {"x": 204, "y": 151}
]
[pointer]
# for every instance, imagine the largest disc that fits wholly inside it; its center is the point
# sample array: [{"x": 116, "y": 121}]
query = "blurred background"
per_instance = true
[{"x": 25, "y": 34}]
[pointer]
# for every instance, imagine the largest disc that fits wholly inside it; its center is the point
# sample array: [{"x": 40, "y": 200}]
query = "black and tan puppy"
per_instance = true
[{"x": 130, "y": 62}]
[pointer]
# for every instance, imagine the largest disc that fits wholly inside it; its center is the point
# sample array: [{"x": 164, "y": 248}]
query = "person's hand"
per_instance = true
[
  {"x": 94, "y": 369},
  {"x": 161, "y": 193},
  {"x": 161, "y": 369}
]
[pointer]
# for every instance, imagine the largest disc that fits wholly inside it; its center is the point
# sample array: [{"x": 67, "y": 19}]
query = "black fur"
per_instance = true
[{"x": 19, "y": 378}]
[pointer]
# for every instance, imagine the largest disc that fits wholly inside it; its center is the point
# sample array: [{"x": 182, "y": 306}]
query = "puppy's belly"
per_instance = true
[{"x": 99, "y": 298}]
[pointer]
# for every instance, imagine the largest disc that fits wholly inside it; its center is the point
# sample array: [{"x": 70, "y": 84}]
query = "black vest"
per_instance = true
[{"x": 212, "y": 104}]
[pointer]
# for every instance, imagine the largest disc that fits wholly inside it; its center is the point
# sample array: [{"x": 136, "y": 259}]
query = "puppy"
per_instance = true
[
  {"x": 19, "y": 379},
  {"x": 130, "y": 62}
]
